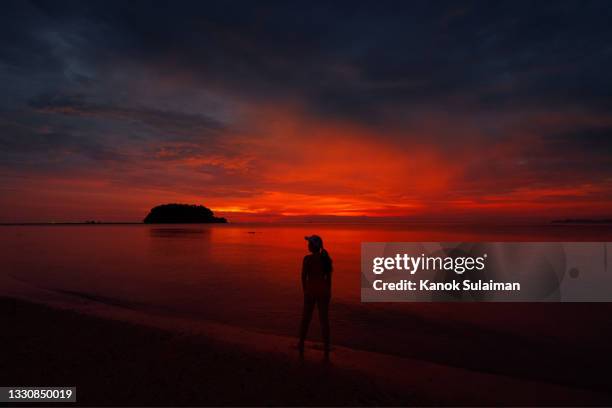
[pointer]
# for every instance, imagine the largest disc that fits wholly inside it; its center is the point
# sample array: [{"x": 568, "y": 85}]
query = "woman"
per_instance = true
[{"x": 316, "y": 284}]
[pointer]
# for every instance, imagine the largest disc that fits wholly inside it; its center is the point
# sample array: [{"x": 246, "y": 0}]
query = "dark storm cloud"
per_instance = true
[
  {"x": 170, "y": 123},
  {"x": 348, "y": 59},
  {"x": 24, "y": 143},
  {"x": 582, "y": 151},
  {"x": 580, "y": 155},
  {"x": 597, "y": 140}
]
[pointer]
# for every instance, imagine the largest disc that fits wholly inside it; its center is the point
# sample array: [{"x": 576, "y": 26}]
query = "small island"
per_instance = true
[{"x": 182, "y": 214}]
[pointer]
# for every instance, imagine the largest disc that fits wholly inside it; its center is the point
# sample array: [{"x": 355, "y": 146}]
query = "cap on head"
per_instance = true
[{"x": 315, "y": 241}]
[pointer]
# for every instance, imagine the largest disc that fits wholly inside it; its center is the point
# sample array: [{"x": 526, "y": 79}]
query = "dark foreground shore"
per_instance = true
[
  {"x": 128, "y": 364},
  {"x": 118, "y": 363}
]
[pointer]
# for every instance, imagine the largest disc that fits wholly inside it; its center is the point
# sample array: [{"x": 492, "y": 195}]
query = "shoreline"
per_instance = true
[
  {"x": 115, "y": 347},
  {"x": 113, "y": 362}
]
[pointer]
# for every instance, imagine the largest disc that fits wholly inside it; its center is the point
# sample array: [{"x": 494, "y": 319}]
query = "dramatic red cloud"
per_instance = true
[{"x": 279, "y": 164}]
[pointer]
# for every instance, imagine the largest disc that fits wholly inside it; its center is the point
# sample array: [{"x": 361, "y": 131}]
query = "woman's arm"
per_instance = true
[
  {"x": 304, "y": 274},
  {"x": 328, "y": 280}
]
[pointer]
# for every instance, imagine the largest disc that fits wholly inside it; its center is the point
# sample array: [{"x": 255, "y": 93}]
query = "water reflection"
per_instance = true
[{"x": 174, "y": 232}]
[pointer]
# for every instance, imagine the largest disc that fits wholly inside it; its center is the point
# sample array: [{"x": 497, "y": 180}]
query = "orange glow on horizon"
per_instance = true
[{"x": 285, "y": 164}]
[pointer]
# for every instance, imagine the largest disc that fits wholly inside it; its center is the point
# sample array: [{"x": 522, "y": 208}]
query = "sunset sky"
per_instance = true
[{"x": 287, "y": 111}]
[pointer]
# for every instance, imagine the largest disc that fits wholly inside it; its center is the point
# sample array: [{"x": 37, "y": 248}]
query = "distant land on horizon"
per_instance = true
[
  {"x": 583, "y": 221},
  {"x": 325, "y": 220}
]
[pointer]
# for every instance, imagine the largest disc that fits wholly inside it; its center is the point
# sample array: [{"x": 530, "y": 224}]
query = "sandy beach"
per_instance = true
[{"x": 150, "y": 360}]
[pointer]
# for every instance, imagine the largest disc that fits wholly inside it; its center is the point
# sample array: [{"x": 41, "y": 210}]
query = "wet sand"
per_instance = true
[{"x": 152, "y": 360}]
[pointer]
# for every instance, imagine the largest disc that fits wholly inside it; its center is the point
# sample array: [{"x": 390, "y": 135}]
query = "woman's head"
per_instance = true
[{"x": 315, "y": 243}]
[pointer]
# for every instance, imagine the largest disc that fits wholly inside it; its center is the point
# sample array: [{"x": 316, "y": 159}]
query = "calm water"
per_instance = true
[{"x": 248, "y": 275}]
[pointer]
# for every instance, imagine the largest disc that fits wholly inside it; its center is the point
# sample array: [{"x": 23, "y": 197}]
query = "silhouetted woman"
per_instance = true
[{"x": 316, "y": 283}]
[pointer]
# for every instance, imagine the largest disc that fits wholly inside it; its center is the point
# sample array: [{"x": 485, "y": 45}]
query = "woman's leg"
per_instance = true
[
  {"x": 323, "y": 305},
  {"x": 309, "y": 303}
]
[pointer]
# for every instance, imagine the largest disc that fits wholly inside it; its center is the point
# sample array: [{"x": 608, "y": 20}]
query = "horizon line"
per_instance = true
[{"x": 371, "y": 220}]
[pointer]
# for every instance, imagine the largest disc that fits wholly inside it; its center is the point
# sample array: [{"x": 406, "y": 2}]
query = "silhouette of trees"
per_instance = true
[{"x": 182, "y": 214}]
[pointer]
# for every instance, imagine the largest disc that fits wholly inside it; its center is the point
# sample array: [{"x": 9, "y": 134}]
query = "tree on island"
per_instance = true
[{"x": 182, "y": 214}]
